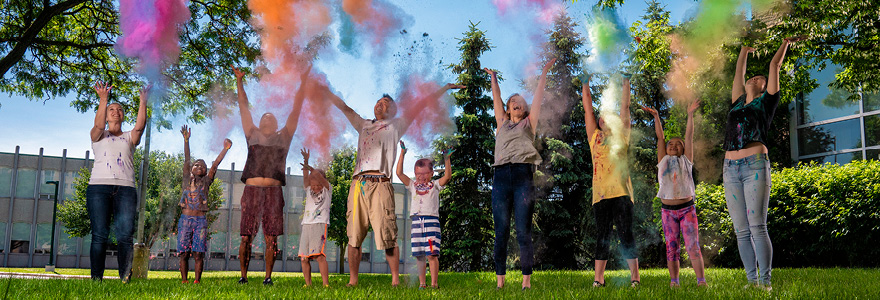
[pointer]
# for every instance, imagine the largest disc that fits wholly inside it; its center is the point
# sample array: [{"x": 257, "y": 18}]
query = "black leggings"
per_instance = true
[{"x": 615, "y": 211}]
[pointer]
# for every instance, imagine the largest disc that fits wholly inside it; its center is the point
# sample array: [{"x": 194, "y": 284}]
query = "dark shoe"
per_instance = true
[
  {"x": 635, "y": 283},
  {"x": 598, "y": 284},
  {"x": 242, "y": 280},
  {"x": 267, "y": 281},
  {"x": 526, "y": 288}
]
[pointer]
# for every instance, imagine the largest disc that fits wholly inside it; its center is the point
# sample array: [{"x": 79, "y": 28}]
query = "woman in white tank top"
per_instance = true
[{"x": 111, "y": 193}]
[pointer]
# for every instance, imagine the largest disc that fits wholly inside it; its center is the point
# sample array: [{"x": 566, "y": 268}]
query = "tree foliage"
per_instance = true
[
  {"x": 339, "y": 173},
  {"x": 466, "y": 206},
  {"x": 60, "y": 48},
  {"x": 163, "y": 195}
]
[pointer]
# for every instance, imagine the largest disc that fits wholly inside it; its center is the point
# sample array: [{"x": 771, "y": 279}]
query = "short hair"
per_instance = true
[
  {"x": 393, "y": 106},
  {"x": 387, "y": 96},
  {"x": 200, "y": 161},
  {"x": 425, "y": 162}
]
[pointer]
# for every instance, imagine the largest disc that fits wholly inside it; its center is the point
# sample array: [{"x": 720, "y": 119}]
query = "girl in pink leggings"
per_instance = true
[{"x": 674, "y": 172}]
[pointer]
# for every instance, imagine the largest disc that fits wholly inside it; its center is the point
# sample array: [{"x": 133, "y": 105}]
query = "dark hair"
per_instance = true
[
  {"x": 200, "y": 160},
  {"x": 425, "y": 162},
  {"x": 387, "y": 96},
  {"x": 675, "y": 138},
  {"x": 507, "y": 105}
]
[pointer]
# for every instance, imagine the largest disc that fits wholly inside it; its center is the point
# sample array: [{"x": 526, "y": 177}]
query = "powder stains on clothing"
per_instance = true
[{"x": 610, "y": 170}]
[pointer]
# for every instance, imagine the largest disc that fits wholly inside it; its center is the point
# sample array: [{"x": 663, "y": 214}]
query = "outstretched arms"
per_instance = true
[
  {"x": 247, "y": 121},
  {"x": 776, "y": 64},
  {"x": 587, "y": 101},
  {"x": 689, "y": 131},
  {"x": 447, "y": 172},
  {"x": 500, "y": 113},
  {"x": 227, "y": 143},
  {"x": 624, "y": 106},
  {"x": 307, "y": 180},
  {"x": 403, "y": 178},
  {"x": 658, "y": 130},
  {"x": 141, "y": 122},
  {"x": 323, "y": 92},
  {"x": 187, "y": 159},
  {"x": 408, "y": 118},
  {"x": 103, "y": 91},
  {"x": 739, "y": 77},
  {"x": 539, "y": 95},
  {"x": 298, "y": 101}
]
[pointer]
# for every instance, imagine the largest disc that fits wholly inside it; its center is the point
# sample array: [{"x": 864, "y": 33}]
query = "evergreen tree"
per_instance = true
[{"x": 466, "y": 206}]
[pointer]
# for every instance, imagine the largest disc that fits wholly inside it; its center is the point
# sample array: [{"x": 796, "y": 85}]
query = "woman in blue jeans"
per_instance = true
[
  {"x": 111, "y": 194},
  {"x": 746, "y": 167},
  {"x": 513, "y": 190}
]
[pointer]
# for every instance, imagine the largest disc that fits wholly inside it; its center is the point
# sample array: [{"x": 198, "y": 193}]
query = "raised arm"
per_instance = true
[
  {"x": 739, "y": 77},
  {"x": 624, "y": 105},
  {"x": 539, "y": 96},
  {"x": 298, "y": 101},
  {"x": 587, "y": 101},
  {"x": 323, "y": 92},
  {"x": 103, "y": 91},
  {"x": 399, "y": 170},
  {"x": 776, "y": 64},
  {"x": 307, "y": 169},
  {"x": 141, "y": 122},
  {"x": 447, "y": 172},
  {"x": 227, "y": 143},
  {"x": 247, "y": 121},
  {"x": 689, "y": 131},
  {"x": 500, "y": 113},
  {"x": 187, "y": 160},
  {"x": 433, "y": 97},
  {"x": 658, "y": 130}
]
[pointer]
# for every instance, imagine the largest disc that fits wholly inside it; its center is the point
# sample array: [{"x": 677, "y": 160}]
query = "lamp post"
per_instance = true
[{"x": 51, "y": 266}]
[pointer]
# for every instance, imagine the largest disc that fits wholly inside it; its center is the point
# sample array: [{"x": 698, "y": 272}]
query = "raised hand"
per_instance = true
[
  {"x": 187, "y": 132},
  {"x": 103, "y": 89},
  {"x": 549, "y": 65},
  {"x": 227, "y": 143},
  {"x": 490, "y": 72},
  {"x": 402, "y": 147},
  {"x": 305, "y": 153},
  {"x": 238, "y": 74},
  {"x": 448, "y": 152},
  {"x": 651, "y": 111},
  {"x": 449, "y": 86},
  {"x": 793, "y": 39},
  {"x": 145, "y": 92},
  {"x": 693, "y": 107},
  {"x": 748, "y": 49}
]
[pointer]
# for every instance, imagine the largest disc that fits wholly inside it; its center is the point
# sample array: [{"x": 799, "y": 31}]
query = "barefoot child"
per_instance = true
[
  {"x": 425, "y": 212},
  {"x": 316, "y": 218},
  {"x": 679, "y": 215},
  {"x": 192, "y": 228}
]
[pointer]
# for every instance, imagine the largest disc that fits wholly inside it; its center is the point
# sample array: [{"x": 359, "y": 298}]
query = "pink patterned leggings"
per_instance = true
[{"x": 684, "y": 221}]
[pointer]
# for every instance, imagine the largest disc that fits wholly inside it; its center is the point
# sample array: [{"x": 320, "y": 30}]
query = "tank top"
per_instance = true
[
  {"x": 749, "y": 122},
  {"x": 675, "y": 174},
  {"x": 515, "y": 144},
  {"x": 113, "y": 160}
]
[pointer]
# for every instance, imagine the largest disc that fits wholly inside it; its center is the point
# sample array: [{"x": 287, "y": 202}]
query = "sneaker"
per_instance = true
[
  {"x": 185, "y": 281},
  {"x": 196, "y": 282},
  {"x": 242, "y": 280},
  {"x": 267, "y": 281}
]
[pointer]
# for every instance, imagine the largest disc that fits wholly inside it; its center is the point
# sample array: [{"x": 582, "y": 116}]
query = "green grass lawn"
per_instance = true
[{"x": 723, "y": 284}]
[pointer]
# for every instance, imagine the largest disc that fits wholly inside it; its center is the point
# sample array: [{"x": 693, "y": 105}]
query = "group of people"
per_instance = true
[{"x": 371, "y": 198}]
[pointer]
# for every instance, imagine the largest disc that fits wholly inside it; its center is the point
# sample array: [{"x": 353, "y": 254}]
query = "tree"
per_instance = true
[
  {"x": 466, "y": 206},
  {"x": 62, "y": 48},
  {"x": 163, "y": 195},
  {"x": 339, "y": 173},
  {"x": 563, "y": 222}
]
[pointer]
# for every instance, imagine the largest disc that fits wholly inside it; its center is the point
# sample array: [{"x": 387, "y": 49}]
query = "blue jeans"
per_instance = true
[
  {"x": 513, "y": 191},
  {"x": 747, "y": 191},
  {"x": 119, "y": 203}
]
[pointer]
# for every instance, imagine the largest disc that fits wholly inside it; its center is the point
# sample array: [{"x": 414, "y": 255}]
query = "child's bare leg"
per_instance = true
[
  {"x": 184, "y": 264},
  {"x": 699, "y": 270},
  {"x": 600, "y": 271},
  {"x": 200, "y": 265},
  {"x": 434, "y": 260},
  {"x": 674, "y": 268},
  {"x": 527, "y": 281},
  {"x": 325, "y": 271},
  {"x": 420, "y": 261},
  {"x": 307, "y": 270},
  {"x": 634, "y": 269}
]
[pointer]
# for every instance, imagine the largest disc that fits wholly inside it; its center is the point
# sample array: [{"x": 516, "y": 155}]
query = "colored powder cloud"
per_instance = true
[
  {"x": 372, "y": 20},
  {"x": 609, "y": 38},
  {"x": 431, "y": 116}
]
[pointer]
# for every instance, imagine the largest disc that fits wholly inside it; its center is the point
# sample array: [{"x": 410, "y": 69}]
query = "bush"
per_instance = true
[{"x": 820, "y": 215}]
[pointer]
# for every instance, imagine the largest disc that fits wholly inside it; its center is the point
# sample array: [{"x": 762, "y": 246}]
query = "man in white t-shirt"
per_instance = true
[{"x": 371, "y": 196}]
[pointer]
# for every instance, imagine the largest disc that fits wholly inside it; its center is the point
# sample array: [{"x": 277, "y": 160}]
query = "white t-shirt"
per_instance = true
[
  {"x": 113, "y": 160},
  {"x": 424, "y": 199},
  {"x": 317, "y": 209},
  {"x": 676, "y": 177},
  {"x": 377, "y": 145}
]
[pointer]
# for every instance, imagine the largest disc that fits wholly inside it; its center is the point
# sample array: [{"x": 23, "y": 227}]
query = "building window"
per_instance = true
[
  {"x": 21, "y": 235},
  {"x": 835, "y": 136},
  {"x": 24, "y": 185}
]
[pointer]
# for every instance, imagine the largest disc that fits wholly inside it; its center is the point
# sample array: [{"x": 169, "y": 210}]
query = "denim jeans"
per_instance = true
[
  {"x": 513, "y": 191},
  {"x": 119, "y": 203},
  {"x": 747, "y": 191},
  {"x": 614, "y": 211}
]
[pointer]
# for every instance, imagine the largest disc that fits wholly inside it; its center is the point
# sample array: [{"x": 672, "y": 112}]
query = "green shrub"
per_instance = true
[{"x": 820, "y": 215}]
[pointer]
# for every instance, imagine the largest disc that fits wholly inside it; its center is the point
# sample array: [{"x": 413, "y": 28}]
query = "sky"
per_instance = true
[{"x": 54, "y": 125}]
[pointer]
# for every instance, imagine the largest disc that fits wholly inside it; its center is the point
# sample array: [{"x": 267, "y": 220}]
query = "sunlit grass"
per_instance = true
[{"x": 723, "y": 284}]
